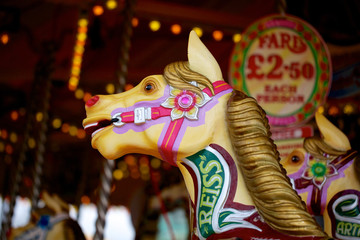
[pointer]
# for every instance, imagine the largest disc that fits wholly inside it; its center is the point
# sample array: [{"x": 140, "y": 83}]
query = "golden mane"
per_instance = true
[
  {"x": 180, "y": 76},
  {"x": 320, "y": 150},
  {"x": 317, "y": 147},
  {"x": 265, "y": 178}
]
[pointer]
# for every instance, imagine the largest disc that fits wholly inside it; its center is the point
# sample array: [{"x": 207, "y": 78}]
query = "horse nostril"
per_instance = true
[{"x": 92, "y": 101}]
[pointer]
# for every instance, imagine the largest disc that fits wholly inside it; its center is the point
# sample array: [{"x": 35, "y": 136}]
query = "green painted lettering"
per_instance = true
[
  {"x": 355, "y": 229},
  {"x": 207, "y": 202},
  {"x": 214, "y": 178},
  {"x": 347, "y": 229},
  {"x": 209, "y": 166},
  {"x": 211, "y": 191},
  {"x": 204, "y": 218},
  {"x": 340, "y": 228}
]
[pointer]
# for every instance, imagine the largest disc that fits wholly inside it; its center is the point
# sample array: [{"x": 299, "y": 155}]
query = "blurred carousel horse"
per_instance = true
[
  {"x": 220, "y": 140},
  {"x": 49, "y": 223},
  {"x": 325, "y": 172}
]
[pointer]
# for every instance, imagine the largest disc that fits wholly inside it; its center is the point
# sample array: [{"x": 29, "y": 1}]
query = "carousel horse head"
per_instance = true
[
  {"x": 50, "y": 222},
  {"x": 325, "y": 173},
  {"x": 220, "y": 140},
  {"x": 136, "y": 118}
]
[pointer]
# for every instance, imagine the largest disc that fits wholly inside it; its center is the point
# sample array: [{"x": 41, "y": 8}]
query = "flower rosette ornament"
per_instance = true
[
  {"x": 185, "y": 103},
  {"x": 319, "y": 171}
]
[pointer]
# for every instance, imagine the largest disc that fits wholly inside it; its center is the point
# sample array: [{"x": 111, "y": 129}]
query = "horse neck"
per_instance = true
[{"x": 213, "y": 172}]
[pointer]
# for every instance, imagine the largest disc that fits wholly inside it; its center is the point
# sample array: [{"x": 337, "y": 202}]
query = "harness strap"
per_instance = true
[{"x": 141, "y": 114}]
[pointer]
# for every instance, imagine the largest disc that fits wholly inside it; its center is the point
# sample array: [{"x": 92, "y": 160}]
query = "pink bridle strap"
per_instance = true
[
  {"x": 219, "y": 86},
  {"x": 156, "y": 112}
]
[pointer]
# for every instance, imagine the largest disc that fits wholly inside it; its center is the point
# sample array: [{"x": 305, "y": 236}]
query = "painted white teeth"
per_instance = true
[
  {"x": 93, "y": 134},
  {"x": 91, "y": 125}
]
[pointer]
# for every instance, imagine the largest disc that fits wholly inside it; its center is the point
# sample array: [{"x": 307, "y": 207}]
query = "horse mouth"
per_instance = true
[{"x": 95, "y": 127}]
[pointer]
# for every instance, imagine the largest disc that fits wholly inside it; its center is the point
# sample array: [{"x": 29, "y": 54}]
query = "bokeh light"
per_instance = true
[
  {"x": 236, "y": 37},
  {"x": 13, "y": 137},
  {"x": 39, "y": 116},
  {"x": 4, "y": 134},
  {"x": 81, "y": 134},
  {"x": 333, "y": 110},
  {"x": 176, "y": 29},
  {"x": 118, "y": 174},
  {"x": 349, "y": 109},
  {"x": 73, "y": 130},
  {"x": 110, "y": 88},
  {"x": 198, "y": 31},
  {"x": 128, "y": 87},
  {"x": 98, "y": 10},
  {"x": 14, "y": 115},
  {"x": 85, "y": 199},
  {"x": 154, "y": 25},
  {"x": 217, "y": 35},
  {"x": 65, "y": 128},
  {"x": 135, "y": 22},
  {"x": 155, "y": 163},
  {"x": 31, "y": 143},
  {"x": 111, "y": 4},
  {"x": 56, "y": 123},
  {"x": 9, "y": 149},
  {"x": 87, "y": 96},
  {"x": 4, "y": 38},
  {"x": 2, "y": 147},
  {"x": 321, "y": 110},
  {"x": 79, "y": 93}
]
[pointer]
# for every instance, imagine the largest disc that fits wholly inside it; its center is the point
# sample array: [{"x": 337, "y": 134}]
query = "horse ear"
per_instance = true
[
  {"x": 201, "y": 60},
  {"x": 331, "y": 134}
]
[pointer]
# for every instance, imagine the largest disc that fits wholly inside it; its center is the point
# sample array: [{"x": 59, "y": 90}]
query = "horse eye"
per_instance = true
[
  {"x": 295, "y": 159},
  {"x": 149, "y": 87}
]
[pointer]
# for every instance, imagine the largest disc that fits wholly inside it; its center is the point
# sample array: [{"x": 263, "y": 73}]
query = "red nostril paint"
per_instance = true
[{"x": 92, "y": 101}]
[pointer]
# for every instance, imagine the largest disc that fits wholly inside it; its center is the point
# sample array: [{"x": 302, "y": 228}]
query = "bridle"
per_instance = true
[{"x": 185, "y": 102}]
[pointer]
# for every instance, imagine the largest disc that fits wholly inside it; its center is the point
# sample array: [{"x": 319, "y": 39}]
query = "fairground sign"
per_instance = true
[{"x": 284, "y": 63}]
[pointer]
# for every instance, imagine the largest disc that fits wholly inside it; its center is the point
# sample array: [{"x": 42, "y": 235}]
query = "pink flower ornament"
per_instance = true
[{"x": 184, "y": 103}]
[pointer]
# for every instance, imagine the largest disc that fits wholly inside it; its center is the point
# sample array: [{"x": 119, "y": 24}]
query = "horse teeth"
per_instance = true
[
  {"x": 91, "y": 125},
  {"x": 93, "y": 134}
]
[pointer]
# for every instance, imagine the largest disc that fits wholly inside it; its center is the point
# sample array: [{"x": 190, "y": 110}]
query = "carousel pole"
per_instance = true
[
  {"x": 42, "y": 76},
  {"x": 6, "y": 223},
  {"x": 104, "y": 194},
  {"x": 108, "y": 167},
  {"x": 281, "y": 6},
  {"x": 49, "y": 51},
  {"x": 125, "y": 44}
]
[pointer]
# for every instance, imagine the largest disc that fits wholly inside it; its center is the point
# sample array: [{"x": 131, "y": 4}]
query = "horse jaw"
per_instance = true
[
  {"x": 201, "y": 60},
  {"x": 332, "y": 135}
]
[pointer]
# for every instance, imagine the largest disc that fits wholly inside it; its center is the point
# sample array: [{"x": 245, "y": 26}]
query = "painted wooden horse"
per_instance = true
[
  {"x": 49, "y": 223},
  {"x": 219, "y": 139},
  {"x": 326, "y": 175}
]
